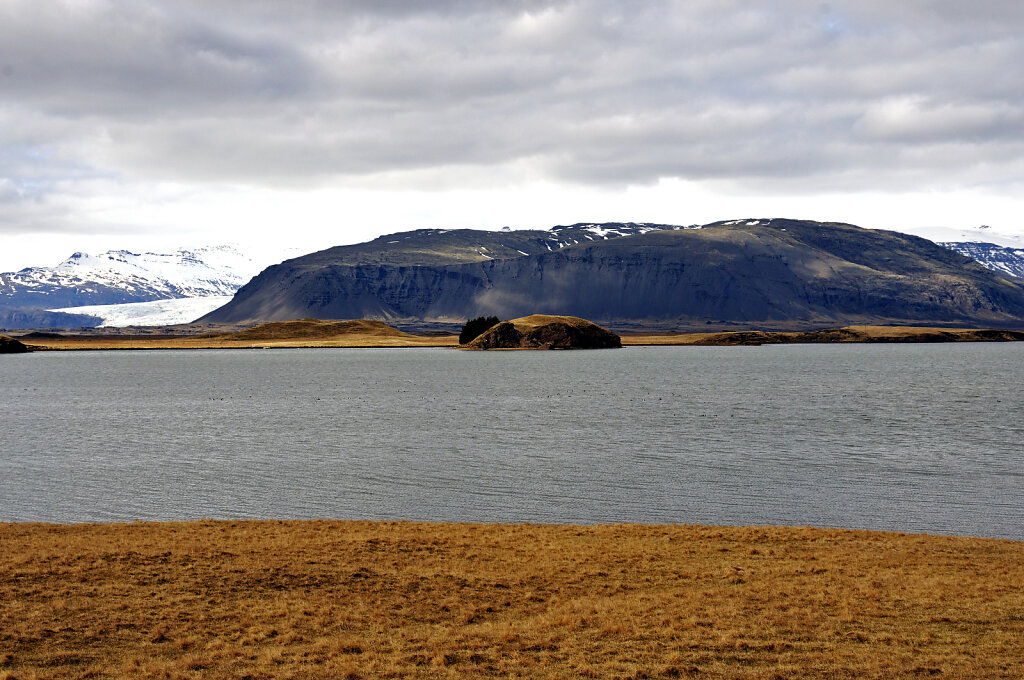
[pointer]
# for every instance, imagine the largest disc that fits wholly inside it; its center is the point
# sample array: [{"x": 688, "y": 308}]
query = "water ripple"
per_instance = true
[{"x": 911, "y": 438}]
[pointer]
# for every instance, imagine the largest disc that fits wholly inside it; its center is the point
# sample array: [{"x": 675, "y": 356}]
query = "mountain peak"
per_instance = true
[{"x": 121, "y": 276}]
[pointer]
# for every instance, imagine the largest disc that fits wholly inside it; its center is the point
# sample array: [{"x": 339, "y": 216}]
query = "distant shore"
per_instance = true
[
  {"x": 344, "y": 599},
  {"x": 846, "y": 334},
  {"x": 375, "y": 334}
]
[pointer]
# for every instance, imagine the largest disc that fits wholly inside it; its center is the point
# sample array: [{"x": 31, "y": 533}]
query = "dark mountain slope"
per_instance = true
[
  {"x": 400, "y": 275},
  {"x": 783, "y": 272},
  {"x": 756, "y": 272},
  {"x": 433, "y": 247}
]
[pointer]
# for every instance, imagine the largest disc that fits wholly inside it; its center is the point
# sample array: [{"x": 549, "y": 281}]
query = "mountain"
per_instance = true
[
  {"x": 995, "y": 257},
  {"x": 438, "y": 247},
  {"x": 753, "y": 272},
  {"x": 120, "y": 276}
]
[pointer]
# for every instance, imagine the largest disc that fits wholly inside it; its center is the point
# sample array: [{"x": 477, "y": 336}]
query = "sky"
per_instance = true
[{"x": 284, "y": 126}]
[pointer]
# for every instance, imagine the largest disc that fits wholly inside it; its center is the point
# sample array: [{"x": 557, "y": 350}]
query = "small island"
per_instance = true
[
  {"x": 9, "y": 345},
  {"x": 542, "y": 331}
]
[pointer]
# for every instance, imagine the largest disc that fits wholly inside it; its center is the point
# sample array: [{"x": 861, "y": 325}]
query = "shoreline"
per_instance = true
[
  {"x": 359, "y": 599},
  {"x": 398, "y": 339},
  {"x": 526, "y": 525}
]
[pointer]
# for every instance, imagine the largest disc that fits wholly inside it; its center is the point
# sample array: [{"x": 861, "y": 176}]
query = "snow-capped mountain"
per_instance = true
[
  {"x": 121, "y": 276},
  {"x": 995, "y": 257}
]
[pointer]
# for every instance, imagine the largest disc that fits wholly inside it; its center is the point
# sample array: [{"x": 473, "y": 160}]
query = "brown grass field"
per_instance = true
[
  {"x": 354, "y": 600},
  {"x": 277, "y": 334}
]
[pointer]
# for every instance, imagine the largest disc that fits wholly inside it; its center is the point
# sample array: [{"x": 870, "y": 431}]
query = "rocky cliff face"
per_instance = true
[
  {"x": 541, "y": 331},
  {"x": 754, "y": 272}
]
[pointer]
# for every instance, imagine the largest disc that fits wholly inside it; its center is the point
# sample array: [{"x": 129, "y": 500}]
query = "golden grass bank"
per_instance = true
[{"x": 325, "y": 599}]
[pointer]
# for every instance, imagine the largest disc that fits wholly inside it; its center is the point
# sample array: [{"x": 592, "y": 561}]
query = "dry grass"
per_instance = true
[
  {"x": 313, "y": 328},
  {"x": 528, "y": 323},
  {"x": 298, "y": 333},
  {"x": 838, "y": 335},
  {"x": 129, "y": 342},
  {"x": 391, "y": 600}
]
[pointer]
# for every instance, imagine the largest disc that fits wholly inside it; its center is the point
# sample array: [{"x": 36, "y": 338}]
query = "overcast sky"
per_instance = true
[{"x": 156, "y": 123}]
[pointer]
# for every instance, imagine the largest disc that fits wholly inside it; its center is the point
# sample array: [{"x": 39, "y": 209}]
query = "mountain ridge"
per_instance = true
[
  {"x": 122, "y": 276},
  {"x": 753, "y": 272}
]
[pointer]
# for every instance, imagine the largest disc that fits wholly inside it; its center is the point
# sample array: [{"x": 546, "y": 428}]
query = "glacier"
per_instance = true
[{"x": 153, "y": 313}]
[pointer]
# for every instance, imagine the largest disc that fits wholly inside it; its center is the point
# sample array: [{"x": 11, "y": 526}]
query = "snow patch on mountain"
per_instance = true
[
  {"x": 154, "y": 313},
  {"x": 574, "y": 234},
  {"x": 605, "y": 232}
]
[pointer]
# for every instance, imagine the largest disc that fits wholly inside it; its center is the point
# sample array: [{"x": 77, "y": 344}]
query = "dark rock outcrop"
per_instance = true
[
  {"x": 41, "y": 335},
  {"x": 11, "y": 346},
  {"x": 541, "y": 331}
]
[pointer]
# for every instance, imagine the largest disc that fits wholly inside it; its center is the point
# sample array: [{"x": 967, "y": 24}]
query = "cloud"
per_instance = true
[{"x": 791, "y": 94}]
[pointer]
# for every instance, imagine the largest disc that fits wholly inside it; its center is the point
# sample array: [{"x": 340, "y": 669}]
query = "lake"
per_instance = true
[{"x": 914, "y": 438}]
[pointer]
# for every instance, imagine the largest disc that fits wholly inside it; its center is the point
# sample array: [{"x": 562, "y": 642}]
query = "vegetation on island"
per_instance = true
[{"x": 475, "y": 327}]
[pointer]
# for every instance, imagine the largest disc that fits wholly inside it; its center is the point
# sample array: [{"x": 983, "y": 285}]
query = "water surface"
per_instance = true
[{"x": 923, "y": 438}]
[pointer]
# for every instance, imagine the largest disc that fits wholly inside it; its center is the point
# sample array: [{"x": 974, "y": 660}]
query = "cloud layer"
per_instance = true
[{"x": 853, "y": 95}]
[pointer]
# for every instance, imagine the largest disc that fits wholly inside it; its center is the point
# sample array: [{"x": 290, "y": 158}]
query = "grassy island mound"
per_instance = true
[
  {"x": 353, "y": 600},
  {"x": 315, "y": 329},
  {"x": 9, "y": 345},
  {"x": 542, "y": 331}
]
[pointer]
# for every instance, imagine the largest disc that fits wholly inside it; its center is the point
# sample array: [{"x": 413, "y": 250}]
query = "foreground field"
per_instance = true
[{"x": 368, "y": 600}]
